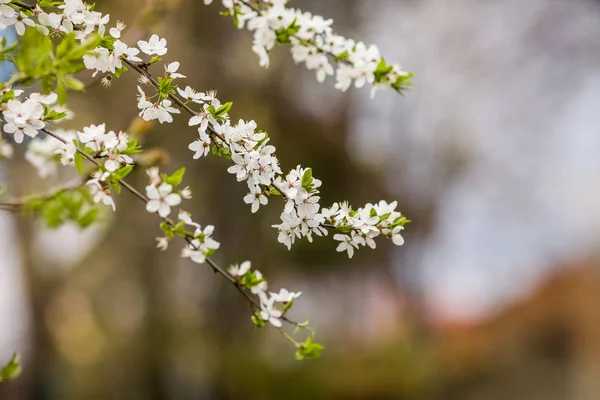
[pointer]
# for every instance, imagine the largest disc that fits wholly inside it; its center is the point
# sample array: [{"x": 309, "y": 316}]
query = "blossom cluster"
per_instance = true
[
  {"x": 273, "y": 306},
  {"x": 73, "y": 15},
  {"x": 314, "y": 43},
  {"x": 13, "y": 17},
  {"x": 85, "y": 43},
  {"x": 256, "y": 164},
  {"x": 365, "y": 224},
  {"x": 162, "y": 196},
  {"x": 25, "y": 118}
]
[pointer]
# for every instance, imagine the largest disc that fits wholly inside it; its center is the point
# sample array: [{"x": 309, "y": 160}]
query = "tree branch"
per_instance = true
[{"x": 216, "y": 268}]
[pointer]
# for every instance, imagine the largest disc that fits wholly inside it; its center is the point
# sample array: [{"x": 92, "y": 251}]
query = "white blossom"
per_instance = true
[
  {"x": 256, "y": 198},
  {"x": 100, "y": 194},
  {"x": 284, "y": 296},
  {"x": 189, "y": 94},
  {"x": 161, "y": 199},
  {"x": 155, "y": 45},
  {"x": 171, "y": 70},
  {"x": 162, "y": 243},
  {"x": 67, "y": 153},
  {"x": 237, "y": 271},
  {"x": 268, "y": 312},
  {"x": 23, "y": 118}
]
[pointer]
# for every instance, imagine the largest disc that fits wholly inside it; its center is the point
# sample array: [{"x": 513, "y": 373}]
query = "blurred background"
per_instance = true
[{"x": 493, "y": 156}]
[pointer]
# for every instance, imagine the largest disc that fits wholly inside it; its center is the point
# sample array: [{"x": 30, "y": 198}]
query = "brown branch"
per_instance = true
[{"x": 23, "y": 5}]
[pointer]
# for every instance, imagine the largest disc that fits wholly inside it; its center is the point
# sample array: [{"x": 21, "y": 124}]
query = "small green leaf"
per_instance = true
[
  {"x": 308, "y": 349},
  {"x": 211, "y": 109},
  {"x": 88, "y": 218},
  {"x": 224, "y": 109},
  {"x": 258, "y": 321},
  {"x": 307, "y": 178},
  {"x": 79, "y": 165},
  {"x": 12, "y": 369},
  {"x": 74, "y": 83},
  {"x": 121, "y": 173},
  {"x": 274, "y": 191},
  {"x": 8, "y": 95},
  {"x": 61, "y": 91},
  {"x": 176, "y": 178}
]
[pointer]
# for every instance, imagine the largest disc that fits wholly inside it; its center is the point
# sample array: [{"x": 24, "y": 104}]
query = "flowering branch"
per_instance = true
[
  {"x": 314, "y": 43},
  {"x": 85, "y": 44},
  {"x": 200, "y": 244}
]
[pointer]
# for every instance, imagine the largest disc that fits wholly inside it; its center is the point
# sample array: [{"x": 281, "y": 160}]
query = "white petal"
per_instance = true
[
  {"x": 275, "y": 322},
  {"x": 173, "y": 199},
  {"x": 164, "y": 210},
  {"x": 153, "y": 206},
  {"x": 398, "y": 240}
]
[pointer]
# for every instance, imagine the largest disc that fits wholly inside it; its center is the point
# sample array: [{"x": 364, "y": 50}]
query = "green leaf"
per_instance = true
[
  {"x": 121, "y": 173},
  {"x": 258, "y": 321},
  {"x": 132, "y": 148},
  {"x": 176, "y": 178},
  {"x": 164, "y": 86},
  {"x": 403, "y": 82},
  {"x": 61, "y": 91},
  {"x": 307, "y": 178},
  {"x": 108, "y": 42},
  {"x": 77, "y": 51},
  {"x": 67, "y": 44},
  {"x": 224, "y": 109},
  {"x": 48, "y": 83},
  {"x": 382, "y": 70},
  {"x": 342, "y": 56},
  {"x": 401, "y": 221},
  {"x": 250, "y": 279},
  {"x": 79, "y": 165},
  {"x": 8, "y": 95},
  {"x": 35, "y": 54},
  {"x": 12, "y": 369},
  {"x": 119, "y": 71},
  {"x": 74, "y": 83},
  {"x": 49, "y": 3},
  {"x": 211, "y": 110},
  {"x": 53, "y": 115},
  {"x": 89, "y": 218},
  {"x": 308, "y": 349}
]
